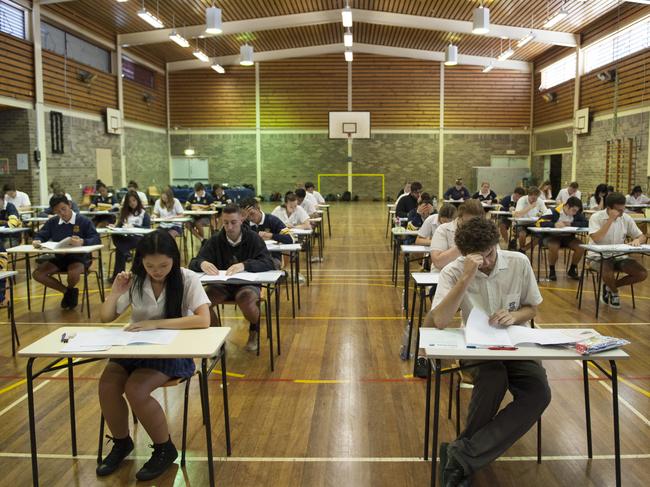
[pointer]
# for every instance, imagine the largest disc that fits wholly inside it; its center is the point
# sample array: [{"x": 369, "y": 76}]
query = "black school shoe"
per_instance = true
[
  {"x": 162, "y": 458},
  {"x": 65, "y": 301},
  {"x": 121, "y": 449},
  {"x": 452, "y": 473},
  {"x": 74, "y": 297}
]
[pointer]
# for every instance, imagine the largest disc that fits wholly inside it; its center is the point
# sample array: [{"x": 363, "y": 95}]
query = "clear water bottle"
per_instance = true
[
  {"x": 435, "y": 203},
  {"x": 405, "y": 342}
]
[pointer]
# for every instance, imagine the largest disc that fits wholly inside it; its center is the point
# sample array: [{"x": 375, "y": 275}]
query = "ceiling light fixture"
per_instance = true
[
  {"x": 246, "y": 55},
  {"x": 451, "y": 55},
  {"x": 347, "y": 38},
  {"x": 556, "y": 19},
  {"x": 349, "y": 57},
  {"x": 213, "y": 20},
  {"x": 346, "y": 16},
  {"x": 201, "y": 56},
  {"x": 481, "y": 23},
  {"x": 488, "y": 68},
  {"x": 179, "y": 39},
  {"x": 526, "y": 39},
  {"x": 150, "y": 18},
  {"x": 506, "y": 54},
  {"x": 218, "y": 68}
]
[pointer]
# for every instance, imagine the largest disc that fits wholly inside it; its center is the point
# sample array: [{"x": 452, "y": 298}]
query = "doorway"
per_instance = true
[{"x": 555, "y": 173}]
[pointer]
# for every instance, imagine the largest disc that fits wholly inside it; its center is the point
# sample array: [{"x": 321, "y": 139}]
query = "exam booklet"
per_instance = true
[
  {"x": 104, "y": 339},
  {"x": 66, "y": 242}
]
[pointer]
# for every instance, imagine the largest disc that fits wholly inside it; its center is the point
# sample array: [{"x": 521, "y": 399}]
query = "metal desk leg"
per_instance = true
[
  {"x": 277, "y": 315},
  {"x": 224, "y": 386},
  {"x": 581, "y": 282},
  {"x": 427, "y": 411},
  {"x": 617, "y": 439},
  {"x": 15, "y": 341},
  {"x": 407, "y": 275},
  {"x": 329, "y": 224},
  {"x": 600, "y": 283},
  {"x": 585, "y": 380},
  {"x": 269, "y": 325},
  {"x": 436, "y": 414},
  {"x": 28, "y": 276},
  {"x": 73, "y": 423},
  {"x": 410, "y": 325},
  {"x": 205, "y": 401},
  {"x": 297, "y": 277},
  {"x": 417, "y": 335},
  {"x": 32, "y": 421}
]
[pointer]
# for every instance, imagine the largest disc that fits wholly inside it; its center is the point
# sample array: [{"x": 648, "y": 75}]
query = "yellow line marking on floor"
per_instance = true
[
  {"x": 13, "y": 386},
  {"x": 566, "y": 289},
  {"x": 625, "y": 381},
  {"x": 230, "y": 374}
]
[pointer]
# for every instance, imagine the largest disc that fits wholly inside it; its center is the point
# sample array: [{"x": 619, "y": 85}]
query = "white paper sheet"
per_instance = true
[
  {"x": 240, "y": 276},
  {"x": 479, "y": 333},
  {"x": 434, "y": 338},
  {"x": 66, "y": 242},
  {"x": 105, "y": 338}
]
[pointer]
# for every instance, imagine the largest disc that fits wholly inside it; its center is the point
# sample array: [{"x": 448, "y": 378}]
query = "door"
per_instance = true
[
  {"x": 555, "y": 174},
  {"x": 104, "y": 159}
]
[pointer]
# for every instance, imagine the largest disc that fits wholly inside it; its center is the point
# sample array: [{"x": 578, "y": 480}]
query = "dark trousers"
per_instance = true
[
  {"x": 123, "y": 246},
  {"x": 490, "y": 432}
]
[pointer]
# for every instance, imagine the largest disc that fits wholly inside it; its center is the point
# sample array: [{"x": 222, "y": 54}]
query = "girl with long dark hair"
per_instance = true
[{"x": 132, "y": 215}]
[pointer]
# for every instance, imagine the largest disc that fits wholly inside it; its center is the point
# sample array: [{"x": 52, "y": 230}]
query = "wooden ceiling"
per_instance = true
[{"x": 108, "y": 18}]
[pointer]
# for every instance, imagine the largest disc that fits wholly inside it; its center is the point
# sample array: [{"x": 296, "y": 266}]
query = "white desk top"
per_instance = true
[
  {"x": 391, "y": 205},
  {"x": 412, "y": 249},
  {"x": 398, "y": 231},
  {"x": 97, "y": 212},
  {"x": 200, "y": 212},
  {"x": 558, "y": 230},
  {"x": 179, "y": 219},
  {"x": 5, "y": 274},
  {"x": 500, "y": 212},
  {"x": 267, "y": 277},
  {"x": 316, "y": 220},
  {"x": 453, "y": 201},
  {"x": 524, "y": 221},
  {"x": 276, "y": 247},
  {"x": 301, "y": 231},
  {"x": 29, "y": 249},
  {"x": 526, "y": 352},
  {"x": 197, "y": 343},
  {"x": 8, "y": 231},
  {"x": 37, "y": 219},
  {"x": 425, "y": 278},
  {"x": 618, "y": 249},
  {"x": 323, "y": 205},
  {"x": 637, "y": 206},
  {"x": 125, "y": 231}
]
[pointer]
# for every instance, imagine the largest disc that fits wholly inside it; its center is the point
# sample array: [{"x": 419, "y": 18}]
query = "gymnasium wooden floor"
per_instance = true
[{"x": 341, "y": 408}]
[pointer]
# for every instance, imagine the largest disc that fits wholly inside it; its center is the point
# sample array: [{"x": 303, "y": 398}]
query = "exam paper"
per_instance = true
[{"x": 435, "y": 338}]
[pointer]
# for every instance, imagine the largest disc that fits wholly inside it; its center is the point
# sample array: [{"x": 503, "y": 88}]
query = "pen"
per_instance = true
[
  {"x": 64, "y": 339},
  {"x": 502, "y": 348}
]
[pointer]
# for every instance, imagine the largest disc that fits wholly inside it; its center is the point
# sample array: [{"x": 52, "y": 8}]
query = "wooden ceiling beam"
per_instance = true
[
  {"x": 365, "y": 16},
  {"x": 358, "y": 48}
]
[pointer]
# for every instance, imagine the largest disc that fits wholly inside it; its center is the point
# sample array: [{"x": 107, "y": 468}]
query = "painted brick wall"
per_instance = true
[
  {"x": 147, "y": 160},
  {"x": 17, "y": 137}
]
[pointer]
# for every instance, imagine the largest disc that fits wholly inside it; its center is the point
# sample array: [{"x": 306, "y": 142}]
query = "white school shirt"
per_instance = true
[
  {"x": 443, "y": 237},
  {"x": 147, "y": 307},
  {"x": 298, "y": 217},
  {"x": 593, "y": 203},
  {"x": 538, "y": 210},
  {"x": 624, "y": 226},
  {"x": 177, "y": 210},
  {"x": 318, "y": 197},
  {"x": 429, "y": 226},
  {"x": 21, "y": 200},
  {"x": 134, "y": 220},
  {"x": 564, "y": 195},
  {"x": 309, "y": 204},
  {"x": 510, "y": 285},
  {"x": 67, "y": 195},
  {"x": 143, "y": 198},
  {"x": 629, "y": 200}
]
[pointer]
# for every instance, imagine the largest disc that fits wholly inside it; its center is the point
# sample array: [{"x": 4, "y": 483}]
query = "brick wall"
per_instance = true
[
  {"x": 17, "y": 137},
  {"x": 147, "y": 159}
]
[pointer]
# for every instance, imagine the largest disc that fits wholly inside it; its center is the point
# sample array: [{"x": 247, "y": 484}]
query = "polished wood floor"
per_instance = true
[{"x": 341, "y": 408}]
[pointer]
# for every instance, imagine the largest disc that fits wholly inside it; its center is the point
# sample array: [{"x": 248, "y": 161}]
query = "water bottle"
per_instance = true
[
  {"x": 434, "y": 201},
  {"x": 405, "y": 342}
]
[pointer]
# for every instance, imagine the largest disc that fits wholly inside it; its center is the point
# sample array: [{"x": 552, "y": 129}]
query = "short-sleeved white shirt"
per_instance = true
[
  {"x": 147, "y": 307},
  {"x": 429, "y": 226},
  {"x": 161, "y": 210},
  {"x": 20, "y": 201},
  {"x": 298, "y": 217},
  {"x": 624, "y": 226},
  {"x": 309, "y": 204},
  {"x": 564, "y": 195},
  {"x": 510, "y": 285},
  {"x": 318, "y": 197},
  {"x": 538, "y": 210},
  {"x": 629, "y": 200},
  {"x": 443, "y": 237}
]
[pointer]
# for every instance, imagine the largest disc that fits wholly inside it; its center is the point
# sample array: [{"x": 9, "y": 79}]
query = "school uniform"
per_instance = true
[
  {"x": 7, "y": 210},
  {"x": 145, "y": 306},
  {"x": 57, "y": 229},
  {"x": 309, "y": 204},
  {"x": 564, "y": 195},
  {"x": 456, "y": 194},
  {"x": 622, "y": 228},
  {"x": 538, "y": 209},
  {"x": 298, "y": 217},
  {"x": 443, "y": 238},
  {"x": 272, "y": 224},
  {"x": 125, "y": 243},
  {"x": 593, "y": 204},
  {"x": 490, "y": 432},
  {"x": 317, "y": 196},
  {"x": 405, "y": 204},
  {"x": 429, "y": 226},
  {"x": 73, "y": 205},
  {"x": 631, "y": 200},
  {"x": 205, "y": 200},
  {"x": 162, "y": 211},
  {"x": 20, "y": 201},
  {"x": 508, "y": 204},
  {"x": 109, "y": 199},
  {"x": 557, "y": 215},
  {"x": 488, "y": 197}
]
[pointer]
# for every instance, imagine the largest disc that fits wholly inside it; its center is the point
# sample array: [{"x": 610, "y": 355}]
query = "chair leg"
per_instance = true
[
  {"x": 201, "y": 394},
  {"x": 101, "y": 438},
  {"x": 458, "y": 408},
  {"x": 184, "y": 441},
  {"x": 539, "y": 440},
  {"x": 451, "y": 395},
  {"x": 633, "y": 300}
]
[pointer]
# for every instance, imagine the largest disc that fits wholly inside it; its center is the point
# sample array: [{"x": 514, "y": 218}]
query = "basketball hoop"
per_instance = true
[{"x": 349, "y": 128}]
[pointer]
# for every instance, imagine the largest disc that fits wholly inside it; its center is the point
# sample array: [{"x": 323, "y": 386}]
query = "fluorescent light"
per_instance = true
[
  {"x": 481, "y": 23},
  {"x": 555, "y": 19},
  {"x": 201, "y": 56},
  {"x": 488, "y": 68},
  {"x": 348, "y": 55},
  {"x": 189, "y": 151},
  {"x": 526, "y": 39},
  {"x": 213, "y": 20},
  {"x": 218, "y": 68},
  {"x": 347, "y": 39},
  {"x": 506, "y": 54},
  {"x": 122, "y": 1},
  {"x": 451, "y": 55},
  {"x": 246, "y": 55},
  {"x": 150, "y": 18},
  {"x": 179, "y": 39},
  {"x": 346, "y": 16}
]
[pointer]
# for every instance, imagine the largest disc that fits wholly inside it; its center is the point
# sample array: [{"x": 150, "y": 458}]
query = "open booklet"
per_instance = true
[
  {"x": 480, "y": 334},
  {"x": 240, "y": 276},
  {"x": 66, "y": 242},
  {"x": 105, "y": 338},
  {"x": 621, "y": 247}
]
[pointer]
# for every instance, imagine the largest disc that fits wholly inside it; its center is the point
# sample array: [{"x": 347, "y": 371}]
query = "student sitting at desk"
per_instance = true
[
  {"x": 612, "y": 226},
  {"x": 17, "y": 198},
  {"x": 169, "y": 207},
  {"x": 597, "y": 200},
  {"x": 311, "y": 189},
  {"x": 458, "y": 192},
  {"x": 568, "y": 214},
  {"x": 292, "y": 215},
  {"x": 530, "y": 207},
  {"x": 509, "y": 203},
  {"x": 446, "y": 214},
  {"x": 200, "y": 200},
  {"x": 636, "y": 197},
  {"x": 162, "y": 295},
  {"x": 547, "y": 190},
  {"x": 82, "y": 232},
  {"x": 307, "y": 203},
  {"x": 132, "y": 215},
  {"x": 502, "y": 284},
  {"x": 443, "y": 248},
  {"x": 485, "y": 195},
  {"x": 4, "y": 260},
  {"x": 133, "y": 186},
  {"x": 417, "y": 215},
  {"x": 566, "y": 193},
  {"x": 105, "y": 201},
  {"x": 269, "y": 227},
  {"x": 236, "y": 248},
  {"x": 57, "y": 189},
  {"x": 9, "y": 216},
  {"x": 408, "y": 202}
]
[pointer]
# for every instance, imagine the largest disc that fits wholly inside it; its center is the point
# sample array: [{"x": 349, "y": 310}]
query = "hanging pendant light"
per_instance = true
[
  {"x": 451, "y": 55},
  {"x": 481, "y": 20},
  {"x": 246, "y": 55},
  {"x": 213, "y": 20}
]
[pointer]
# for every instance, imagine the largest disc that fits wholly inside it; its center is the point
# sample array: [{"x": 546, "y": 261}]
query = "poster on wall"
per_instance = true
[
  {"x": 4, "y": 166},
  {"x": 22, "y": 162}
]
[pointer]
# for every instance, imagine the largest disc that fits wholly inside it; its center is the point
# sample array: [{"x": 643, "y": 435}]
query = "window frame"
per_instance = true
[
  {"x": 573, "y": 56},
  {"x": 25, "y": 23}
]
